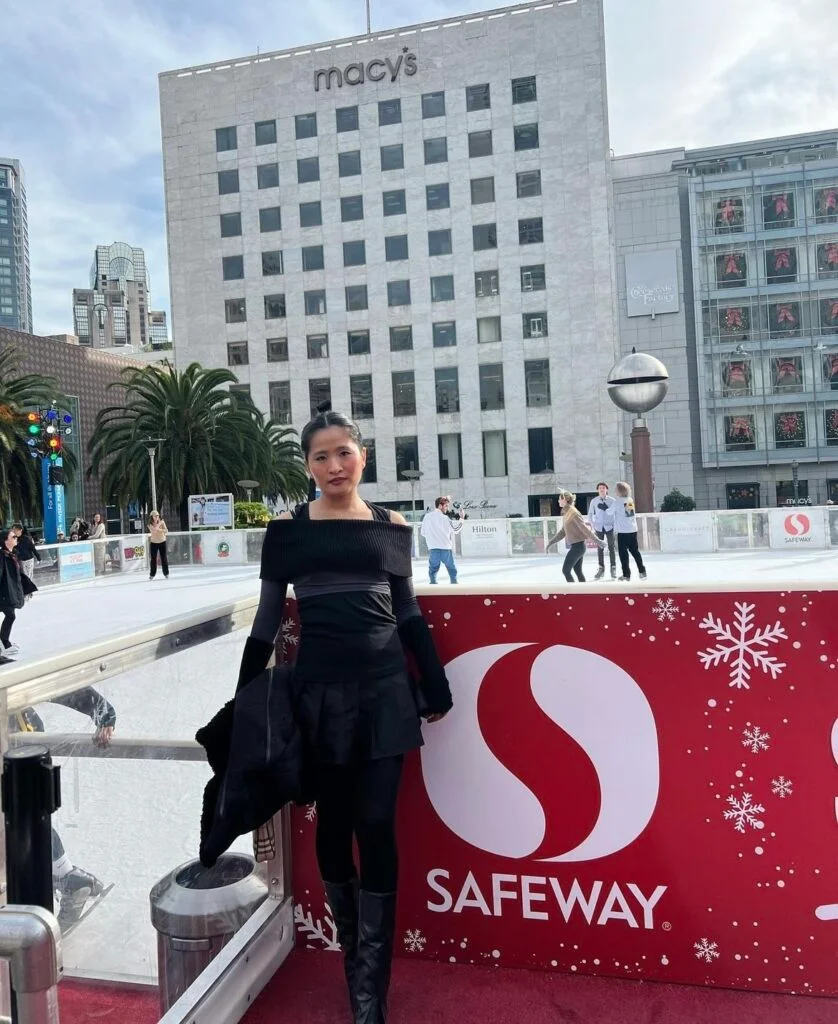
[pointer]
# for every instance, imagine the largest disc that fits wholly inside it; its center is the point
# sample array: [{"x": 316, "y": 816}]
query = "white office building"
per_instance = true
[{"x": 415, "y": 225}]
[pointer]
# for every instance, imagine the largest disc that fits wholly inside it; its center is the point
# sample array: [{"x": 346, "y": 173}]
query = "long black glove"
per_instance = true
[
  {"x": 90, "y": 702},
  {"x": 416, "y": 638},
  {"x": 257, "y": 654}
]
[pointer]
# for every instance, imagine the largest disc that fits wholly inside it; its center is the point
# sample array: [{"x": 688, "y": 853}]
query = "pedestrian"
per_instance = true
[
  {"x": 157, "y": 532},
  {"x": 576, "y": 533},
  {"x": 625, "y": 523},
  {"x": 27, "y": 553},
  {"x": 601, "y": 517},
  {"x": 439, "y": 529},
  {"x": 97, "y": 535},
  {"x": 14, "y": 586},
  {"x": 357, "y": 708},
  {"x": 81, "y": 528}
]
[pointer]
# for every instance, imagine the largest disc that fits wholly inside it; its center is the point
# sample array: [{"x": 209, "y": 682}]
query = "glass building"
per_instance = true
[{"x": 15, "y": 286}]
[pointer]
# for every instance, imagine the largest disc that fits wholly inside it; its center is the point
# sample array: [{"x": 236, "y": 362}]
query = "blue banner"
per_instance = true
[{"x": 55, "y": 520}]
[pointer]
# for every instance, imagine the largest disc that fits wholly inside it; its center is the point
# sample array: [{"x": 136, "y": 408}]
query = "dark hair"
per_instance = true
[
  {"x": 326, "y": 417},
  {"x": 441, "y": 501},
  {"x": 602, "y": 483},
  {"x": 4, "y": 534}
]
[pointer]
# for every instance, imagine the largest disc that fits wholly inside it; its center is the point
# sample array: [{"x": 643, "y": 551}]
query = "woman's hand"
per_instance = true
[
  {"x": 102, "y": 736},
  {"x": 438, "y": 717}
]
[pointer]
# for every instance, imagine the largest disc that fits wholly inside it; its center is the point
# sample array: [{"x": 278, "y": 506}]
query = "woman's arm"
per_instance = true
[
  {"x": 259, "y": 646},
  {"x": 555, "y": 539}
]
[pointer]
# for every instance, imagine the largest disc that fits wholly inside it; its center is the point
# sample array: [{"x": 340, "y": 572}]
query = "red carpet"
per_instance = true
[{"x": 80, "y": 1003}]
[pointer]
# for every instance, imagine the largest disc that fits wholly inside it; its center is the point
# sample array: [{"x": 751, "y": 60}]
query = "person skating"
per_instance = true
[
  {"x": 438, "y": 530},
  {"x": 14, "y": 586},
  {"x": 157, "y": 533},
  {"x": 577, "y": 534},
  {"x": 601, "y": 516},
  {"x": 625, "y": 524},
  {"x": 27, "y": 553}
]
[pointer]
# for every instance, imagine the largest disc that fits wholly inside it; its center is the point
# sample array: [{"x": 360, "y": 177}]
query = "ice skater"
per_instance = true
[
  {"x": 601, "y": 517},
  {"x": 625, "y": 523},
  {"x": 15, "y": 585},
  {"x": 438, "y": 529},
  {"x": 157, "y": 533},
  {"x": 576, "y": 533},
  {"x": 27, "y": 553}
]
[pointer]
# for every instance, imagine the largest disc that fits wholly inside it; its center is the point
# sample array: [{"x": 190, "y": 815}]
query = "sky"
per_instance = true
[{"x": 79, "y": 100}]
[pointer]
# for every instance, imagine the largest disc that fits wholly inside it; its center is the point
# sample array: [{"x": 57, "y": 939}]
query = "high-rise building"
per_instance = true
[
  {"x": 414, "y": 225},
  {"x": 15, "y": 284},
  {"x": 114, "y": 311}
]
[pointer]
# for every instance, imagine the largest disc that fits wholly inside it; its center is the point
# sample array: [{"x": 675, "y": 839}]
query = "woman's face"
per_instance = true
[
  {"x": 336, "y": 462},
  {"x": 562, "y": 501},
  {"x": 97, "y": 518},
  {"x": 155, "y": 518},
  {"x": 11, "y": 541}
]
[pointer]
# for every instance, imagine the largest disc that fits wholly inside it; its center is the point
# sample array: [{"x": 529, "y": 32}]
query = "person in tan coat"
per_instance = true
[
  {"x": 157, "y": 533},
  {"x": 576, "y": 532}
]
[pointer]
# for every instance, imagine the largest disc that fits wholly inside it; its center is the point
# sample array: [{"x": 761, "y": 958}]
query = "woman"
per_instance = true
[
  {"x": 357, "y": 710},
  {"x": 11, "y": 590},
  {"x": 577, "y": 532},
  {"x": 157, "y": 531},
  {"x": 97, "y": 535},
  {"x": 26, "y": 552},
  {"x": 625, "y": 522}
]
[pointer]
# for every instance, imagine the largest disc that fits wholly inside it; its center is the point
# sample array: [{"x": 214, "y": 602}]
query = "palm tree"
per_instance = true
[
  {"x": 210, "y": 439},
  {"x": 20, "y": 473}
]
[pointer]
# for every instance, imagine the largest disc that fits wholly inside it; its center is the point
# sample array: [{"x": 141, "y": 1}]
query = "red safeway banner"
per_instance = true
[{"x": 641, "y": 786}]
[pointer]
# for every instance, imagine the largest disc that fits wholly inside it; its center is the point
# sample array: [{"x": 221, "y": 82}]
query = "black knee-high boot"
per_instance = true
[
  {"x": 376, "y": 927},
  {"x": 343, "y": 901}
]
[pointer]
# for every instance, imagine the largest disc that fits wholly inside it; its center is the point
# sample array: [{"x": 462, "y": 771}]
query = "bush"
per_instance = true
[
  {"x": 677, "y": 502},
  {"x": 251, "y": 513}
]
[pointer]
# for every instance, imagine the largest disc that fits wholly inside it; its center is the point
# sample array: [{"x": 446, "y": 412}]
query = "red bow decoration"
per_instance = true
[
  {"x": 790, "y": 424},
  {"x": 736, "y": 373},
  {"x": 832, "y": 364},
  {"x": 781, "y": 204},
  {"x": 740, "y": 426},
  {"x": 782, "y": 259},
  {"x": 785, "y": 315},
  {"x": 732, "y": 264},
  {"x": 832, "y": 252},
  {"x": 829, "y": 199},
  {"x": 833, "y": 310},
  {"x": 786, "y": 368},
  {"x": 733, "y": 318},
  {"x": 727, "y": 210}
]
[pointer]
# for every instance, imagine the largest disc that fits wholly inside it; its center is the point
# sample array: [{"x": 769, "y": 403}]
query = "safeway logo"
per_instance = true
[
  {"x": 597, "y": 704},
  {"x": 797, "y": 524}
]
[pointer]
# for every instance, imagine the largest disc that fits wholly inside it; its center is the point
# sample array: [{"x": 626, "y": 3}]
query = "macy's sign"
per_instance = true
[{"x": 374, "y": 71}]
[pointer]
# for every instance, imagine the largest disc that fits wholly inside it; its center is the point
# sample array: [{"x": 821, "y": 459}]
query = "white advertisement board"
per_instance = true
[
  {"x": 210, "y": 510},
  {"x": 133, "y": 553},
  {"x": 486, "y": 538},
  {"x": 75, "y": 562},
  {"x": 652, "y": 282},
  {"x": 687, "y": 531},
  {"x": 224, "y": 548},
  {"x": 797, "y": 528}
]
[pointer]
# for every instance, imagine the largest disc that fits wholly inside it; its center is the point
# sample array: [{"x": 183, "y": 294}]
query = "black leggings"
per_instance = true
[
  {"x": 627, "y": 543},
  {"x": 6, "y": 628},
  {"x": 360, "y": 800},
  {"x": 573, "y": 561},
  {"x": 164, "y": 559}
]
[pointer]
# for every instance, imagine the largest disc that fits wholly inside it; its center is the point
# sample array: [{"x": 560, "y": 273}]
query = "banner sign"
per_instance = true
[
  {"x": 486, "y": 538},
  {"x": 798, "y": 528},
  {"x": 223, "y": 548},
  {"x": 687, "y": 531},
  {"x": 75, "y": 562},
  {"x": 133, "y": 554},
  {"x": 211, "y": 510},
  {"x": 635, "y": 785},
  {"x": 55, "y": 516}
]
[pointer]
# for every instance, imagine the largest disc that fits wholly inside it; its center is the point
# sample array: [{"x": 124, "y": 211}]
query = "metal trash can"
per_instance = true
[{"x": 196, "y": 911}]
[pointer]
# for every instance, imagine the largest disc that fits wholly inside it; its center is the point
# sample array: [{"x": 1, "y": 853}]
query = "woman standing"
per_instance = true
[
  {"x": 357, "y": 709},
  {"x": 577, "y": 532},
  {"x": 625, "y": 523},
  {"x": 11, "y": 590},
  {"x": 157, "y": 533},
  {"x": 26, "y": 552},
  {"x": 97, "y": 535}
]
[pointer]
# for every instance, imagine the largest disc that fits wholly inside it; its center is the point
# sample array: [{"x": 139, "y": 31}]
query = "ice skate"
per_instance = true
[
  {"x": 599, "y": 574},
  {"x": 74, "y": 890}
]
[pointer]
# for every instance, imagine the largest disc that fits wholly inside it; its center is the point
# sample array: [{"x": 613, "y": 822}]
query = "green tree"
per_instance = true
[
  {"x": 210, "y": 439},
  {"x": 675, "y": 501},
  {"x": 20, "y": 473}
]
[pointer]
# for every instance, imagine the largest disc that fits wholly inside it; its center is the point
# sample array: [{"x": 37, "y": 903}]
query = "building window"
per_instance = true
[
  {"x": 358, "y": 342},
  {"x": 352, "y": 208},
  {"x": 392, "y": 157},
  {"x": 232, "y": 268},
  {"x": 533, "y": 278},
  {"x": 354, "y": 253},
  {"x": 491, "y": 386},
  {"x": 447, "y": 382},
  {"x": 398, "y": 293},
  {"x": 277, "y": 349},
  {"x": 535, "y": 325},
  {"x": 436, "y": 151},
  {"x": 360, "y": 396},
  {"x": 485, "y": 236},
  {"x": 228, "y": 182},
  {"x": 740, "y": 433},
  {"x": 279, "y": 400},
  {"x": 311, "y": 215},
  {"x": 433, "y": 104},
  {"x": 530, "y": 230},
  {"x": 830, "y": 426},
  {"x": 787, "y": 374},
  {"x": 540, "y": 441},
  {"x": 537, "y": 382},
  {"x": 270, "y": 219},
  {"x": 235, "y": 311},
  {"x": 781, "y": 265},
  {"x": 305, "y": 126},
  {"x": 790, "y": 429},
  {"x": 243, "y": 390},
  {"x": 370, "y": 475},
  {"x": 346, "y": 119},
  {"x": 528, "y": 184},
  {"x": 445, "y": 334},
  {"x": 394, "y": 202},
  {"x": 308, "y": 169},
  {"x": 265, "y": 133},
  {"x": 407, "y": 455},
  {"x": 778, "y": 209},
  {"x": 389, "y": 111},
  {"x": 494, "y": 453},
  {"x": 526, "y": 136},
  {"x": 231, "y": 224},
  {"x": 267, "y": 175},
  {"x": 356, "y": 297},
  {"x": 437, "y": 196},
  {"x": 523, "y": 90},
  {"x": 313, "y": 257},
  {"x": 319, "y": 392},
  {"x": 485, "y": 283},
  {"x": 482, "y": 190},
  {"x": 480, "y": 143},
  {"x": 442, "y": 288},
  {"x": 827, "y": 255},
  {"x": 488, "y": 329},
  {"x": 439, "y": 242},
  {"x": 237, "y": 353},
  {"x": 272, "y": 263},
  {"x": 404, "y": 393},
  {"x": 478, "y": 97},
  {"x": 395, "y": 248},
  {"x": 225, "y": 140},
  {"x": 450, "y": 456},
  {"x": 401, "y": 339},
  {"x": 349, "y": 164},
  {"x": 317, "y": 346},
  {"x": 315, "y": 302},
  {"x": 274, "y": 307}
]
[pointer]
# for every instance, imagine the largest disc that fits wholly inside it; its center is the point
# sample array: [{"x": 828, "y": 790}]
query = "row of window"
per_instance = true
[
  {"x": 772, "y": 207},
  {"x": 782, "y": 265},
  {"x": 782, "y": 374},
  {"x": 478, "y": 97},
  {"x": 791, "y": 429},
  {"x": 785, "y": 318}
]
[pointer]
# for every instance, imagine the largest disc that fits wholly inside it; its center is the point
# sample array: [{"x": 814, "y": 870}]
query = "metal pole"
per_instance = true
[
  {"x": 151, "y": 454},
  {"x": 369, "y": 24},
  {"x": 30, "y": 940},
  {"x": 795, "y": 480}
]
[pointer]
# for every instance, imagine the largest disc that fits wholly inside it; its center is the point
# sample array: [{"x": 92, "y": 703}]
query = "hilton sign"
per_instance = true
[{"x": 374, "y": 71}]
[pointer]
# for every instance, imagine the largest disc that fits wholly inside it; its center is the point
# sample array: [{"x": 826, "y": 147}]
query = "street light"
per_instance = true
[
  {"x": 150, "y": 445},
  {"x": 248, "y": 485},
  {"x": 414, "y": 476}
]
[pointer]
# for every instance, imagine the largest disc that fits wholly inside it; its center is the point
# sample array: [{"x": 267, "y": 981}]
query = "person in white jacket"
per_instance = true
[
  {"x": 625, "y": 523},
  {"x": 438, "y": 531},
  {"x": 601, "y": 518}
]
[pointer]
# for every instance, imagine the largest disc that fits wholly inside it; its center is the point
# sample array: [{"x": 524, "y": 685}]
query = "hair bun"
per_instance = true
[{"x": 324, "y": 407}]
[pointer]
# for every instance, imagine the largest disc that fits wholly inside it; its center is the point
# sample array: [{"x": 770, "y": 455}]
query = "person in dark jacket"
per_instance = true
[
  {"x": 355, "y": 703},
  {"x": 11, "y": 590},
  {"x": 27, "y": 553}
]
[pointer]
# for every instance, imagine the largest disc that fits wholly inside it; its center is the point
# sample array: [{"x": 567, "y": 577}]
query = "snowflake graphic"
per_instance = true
[
  {"x": 665, "y": 610},
  {"x": 323, "y": 932},
  {"x": 414, "y": 941},
  {"x": 311, "y": 812},
  {"x": 706, "y": 950},
  {"x": 781, "y": 787},
  {"x": 288, "y": 635},
  {"x": 744, "y": 813},
  {"x": 755, "y": 739},
  {"x": 743, "y": 646}
]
